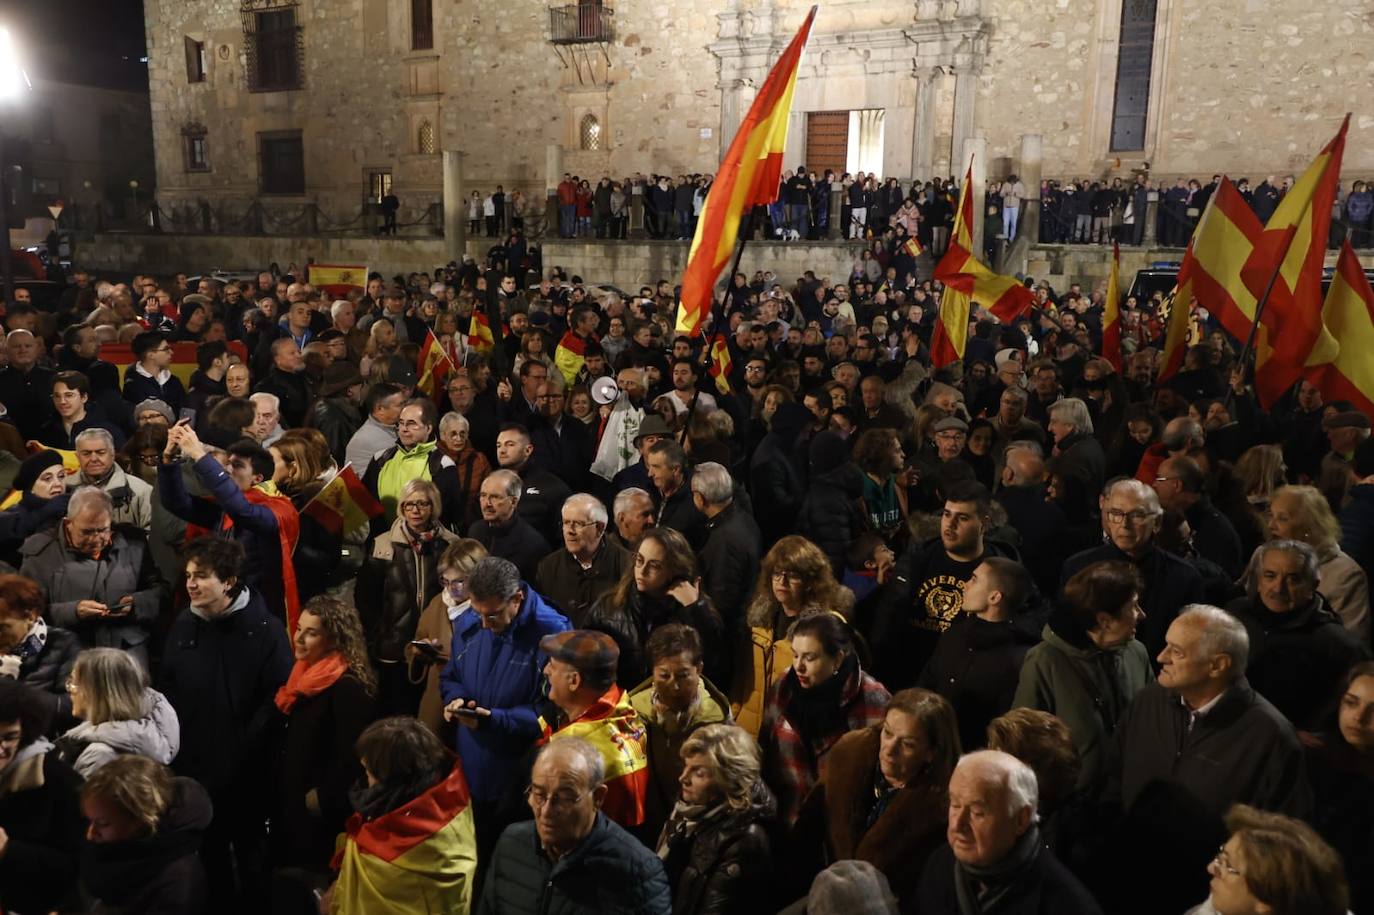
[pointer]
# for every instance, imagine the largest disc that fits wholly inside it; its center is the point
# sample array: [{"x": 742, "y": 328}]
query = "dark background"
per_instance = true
[{"x": 93, "y": 42}]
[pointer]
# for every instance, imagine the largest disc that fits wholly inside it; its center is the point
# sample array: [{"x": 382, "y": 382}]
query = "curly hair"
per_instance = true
[
  {"x": 735, "y": 759},
  {"x": 344, "y": 630},
  {"x": 796, "y": 555},
  {"x": 1041, "y": 741}
]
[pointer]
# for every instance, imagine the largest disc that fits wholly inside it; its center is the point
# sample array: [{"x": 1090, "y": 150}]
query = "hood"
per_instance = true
[
  {"x": 847, "y": 478},
  {"x": 1317, "y": 613},
  {"x": 764, "y": 609},
  {"x": 1061, "y": 632},
  {"x": 157, "y": 735}
]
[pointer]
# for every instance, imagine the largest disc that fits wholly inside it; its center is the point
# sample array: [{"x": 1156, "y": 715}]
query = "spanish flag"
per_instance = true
[
  {"x": 337, "y": 279},
  {"x": 912, "y": 246},
  {"x": 720, "y": 363},
  {"x": 1292, "y": 253},
  {"x": 420, "y": 857},
  {"x": 951, "y": 330},
  {"x": 1111, "y": 313},
  {"x": 480, "y": 339},
  {"x": 748, "y": 177},
  {"x": 1180, "y": 303},
  {"x": 614, "y": 727},
  {"x": 344, "y": 504},
  {"x": 1348, "y": 317},
  {"x": 432, "y": 365},
  {"x": 570, "y": 356}
]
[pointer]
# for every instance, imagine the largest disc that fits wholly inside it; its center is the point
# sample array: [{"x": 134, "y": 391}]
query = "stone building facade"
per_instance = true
[{"x": 290, "y": 102}]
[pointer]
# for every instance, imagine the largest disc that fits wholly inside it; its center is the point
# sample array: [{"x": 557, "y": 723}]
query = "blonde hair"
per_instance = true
[
  {"x": 421, "y": 487},
  {"x": 461, "y": 556},
  {"x": 1313, "y": 518},
  {"x": 1288, "y": 866},
  {"x": 137, "y": 785},
  {"x": 734, "y": 757},
  {"x": 1260, "y": 470},
  {"x": 112, "y": 685}
]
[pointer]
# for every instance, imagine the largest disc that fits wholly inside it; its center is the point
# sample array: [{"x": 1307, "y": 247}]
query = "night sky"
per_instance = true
[{"x": 94, "y": 42}]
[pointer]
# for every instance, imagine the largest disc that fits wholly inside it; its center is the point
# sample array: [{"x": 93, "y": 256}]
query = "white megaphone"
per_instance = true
[{"x": 605, "y": 390}]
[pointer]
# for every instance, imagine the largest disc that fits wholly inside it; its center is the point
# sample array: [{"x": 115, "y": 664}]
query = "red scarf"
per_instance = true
[
  {"x": 289, "y": 526},
  {"x": 310, "y": 680}
]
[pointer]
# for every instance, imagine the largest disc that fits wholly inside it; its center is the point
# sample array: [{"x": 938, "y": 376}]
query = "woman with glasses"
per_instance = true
[
  {"x": 1273, "y": 865},
  {"x": 37, "y": 501},
  {"x": 428, "y": 652},
  {"x": 661, "y": 585},
  {"x": 397, "y": 582},
  {"x": 40, "y": 821},
  {"x": 455, "y": 440},
  {"x": 119, "y": 712},
  {"x": 143, "y": 452},
  {"x": 795, "y": 581}
]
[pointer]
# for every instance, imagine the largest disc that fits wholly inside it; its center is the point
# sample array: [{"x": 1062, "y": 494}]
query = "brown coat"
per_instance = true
[
  {"x": 433, "y": 624},
  {"x": 912, "y": 826}
]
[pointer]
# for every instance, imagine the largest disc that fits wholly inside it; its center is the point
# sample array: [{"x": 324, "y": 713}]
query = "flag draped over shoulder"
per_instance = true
[
  {"x": 1111, "y": 313},
  {"x": 614, "y": 727},
  {"x": 344, "y": 504},
  {"x": 289, "y": 527},
  {"x": 433, "y": 366},
  {"x": 1293, "y": 243},
  {"x": 420, "y": 857},
  {"x": 748, "y": 177},
  {"x": 1348, "y": 317},
  {"x": 570, "y": 356},
  {"x": 720, "y": 363}
]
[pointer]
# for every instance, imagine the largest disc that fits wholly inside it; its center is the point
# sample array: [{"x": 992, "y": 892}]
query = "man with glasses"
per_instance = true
[
  {"x": 415, "y": 456},
  {"x": 101, "y": 583},
  {"x": 561, "y": 443},
  {"x": 600, "y": 867},
  {"x": 586, "y": 566},
  {"x": 1131, "y": 516},
  {"x": 151, "y": 376}
]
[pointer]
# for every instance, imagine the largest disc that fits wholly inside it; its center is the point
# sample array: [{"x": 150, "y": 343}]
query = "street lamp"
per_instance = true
[{"x": 14, "y": 83}]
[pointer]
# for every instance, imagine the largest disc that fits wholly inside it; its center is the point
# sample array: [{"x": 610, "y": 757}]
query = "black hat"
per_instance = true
[{"x": 33, "y": 468}]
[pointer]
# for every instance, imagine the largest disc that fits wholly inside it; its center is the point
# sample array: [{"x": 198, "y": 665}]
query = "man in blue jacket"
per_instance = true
[{"x": 491, "y": 684}]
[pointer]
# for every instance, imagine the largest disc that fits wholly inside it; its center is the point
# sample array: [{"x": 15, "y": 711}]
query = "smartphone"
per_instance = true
[
  {"x": 186, "y": 415},
  {"x": 424, "y": 646},
  {"x": 466, "y": 712}
]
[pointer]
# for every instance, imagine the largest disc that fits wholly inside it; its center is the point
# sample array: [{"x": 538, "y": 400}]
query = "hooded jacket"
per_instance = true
[
  {"x": 832, "y": 514},
  {"x": 157, "y": 735}
]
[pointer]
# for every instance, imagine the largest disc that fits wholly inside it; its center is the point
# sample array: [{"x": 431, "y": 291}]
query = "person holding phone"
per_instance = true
[{"x": 428, "y": 653}]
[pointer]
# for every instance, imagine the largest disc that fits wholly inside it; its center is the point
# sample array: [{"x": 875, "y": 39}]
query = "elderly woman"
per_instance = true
[
  {"x": 428, "y": 652},
  {"x": 119, "y": 712},
  {"x": 397, "y": 582},
  {"x": 1079, "y": 453},
  {"x": 1298, "y": 646},
  {"x": 883, "y": 795},
  {"x": 1274, "y": 865},
  {"x": 716, "y": 846},
  {"x": 36, "y": 654},
  {"x": 37, "y": 501},
  {"x": 408, "y": 775},
  {"x": 822, "y": 697},
  {"x": 39, "y": 817},
  {"x": 795, "y": 581},
  {"x": 673, "y": 702},
  {"x": 1089, "y": 666},
  {"x": 324, "y": 705},
  {"x": 1341, "y": 770},
  {"x": 142, "y": 847},
  {"x": 455, "y": 441},
  {"x": 1302, "y": 513},
  {"x": 661, "y": 586}
]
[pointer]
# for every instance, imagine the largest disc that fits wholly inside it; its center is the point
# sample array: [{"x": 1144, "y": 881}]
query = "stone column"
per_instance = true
[
  {"x": 836, "y": 230},
  {"x": 1031, "y": 152},
  {"x": 731, "y": 111},
  {"x": 455, "y": 207},
  {"x": 977, "y": 147},
  {"x": 965, "y": 89},
  {"x": 1151, "y": 218},
  {"x": 553, "y": 173},
  {"x": 923, "y": 136},
  {"x": 637, "y": 229}
]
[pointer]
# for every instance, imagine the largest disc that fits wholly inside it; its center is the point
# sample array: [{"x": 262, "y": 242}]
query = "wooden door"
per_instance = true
[{"x": 827, "y": 141}]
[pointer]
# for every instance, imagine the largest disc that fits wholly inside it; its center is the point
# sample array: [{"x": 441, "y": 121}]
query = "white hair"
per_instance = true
[
  {"x": 508, "y": 479},
  {"x": 272, "y": 400},
  {"x": 336, "y": 307},
  {"x": 451, "y": 419},
  {"x": 626, "y": 496},
  {"x": 593, "y": 765},
  {"x": 712, "y": 481},
  {"x": 1221, "y": 633},
  {"x": 1017, "y": 778},
  {"x": 89, "y": 498},
  {"x": 588, "y": 503},
  {"x": 1074, "y": 412},
  {"x": 1145, "y": 494},
  {"x": 95, "y": 432}
]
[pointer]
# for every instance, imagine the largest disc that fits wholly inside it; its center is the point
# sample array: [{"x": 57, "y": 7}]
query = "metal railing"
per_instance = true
[{"x": 581, "y": 22}]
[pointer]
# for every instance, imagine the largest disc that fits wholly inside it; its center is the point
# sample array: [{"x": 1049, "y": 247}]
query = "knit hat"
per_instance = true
[
  {"x": 152, "y": 403},
  {"x": 33, "y": 468},
  {"x": 828, "y": 451},
  {"x": 400, "y": 370}
]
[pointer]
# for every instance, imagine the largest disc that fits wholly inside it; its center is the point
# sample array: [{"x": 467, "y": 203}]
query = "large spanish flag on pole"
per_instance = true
[
  {"x": 748, "y": 176},
  {"x": 1287, "y": 262},
  {"x": 433, "y": 365},
  {"x": 951, "y": 328},
  {"x": 1348, "y": 317},
  {"x": 1111, "y": 313},
  {"x": 420, "y": 857}
]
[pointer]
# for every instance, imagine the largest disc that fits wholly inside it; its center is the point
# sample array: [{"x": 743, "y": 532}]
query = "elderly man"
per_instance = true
[
  {"x": 1299, "y": 649},
  {"x": 1181, "y": 487},
  {"x": 1180, "y": 434},
  {"x": 266, "y": 428},
  {"x": 652, "y": 430},
  {"x": 101, "y": 583},
  {"x": 382, "y": 405},
  {"x": 544, "y": 491},
  {"x": 633, "y": 515},
  {"x": 287, "y": 379},
  {"x": 24, "y": 384},
  {"x": 492, "y": 681},
  {"x": 672, "y": 479},
  {"x": 1192, "y": 744},
  {"x": 1039, "y": 522},
  {"x": 1078, "y": 455},
  {"x": 995, "y": 860},
  {"x": 415, "y": 456},
  {"x": 587, "y": 565},
  {"x": 572, "y": 858},
  {"x": 1131, "y": 516},
  {"x": 581, "y": 671},
  {"x": 501, "y": 529},
  {"x": 730, "y": 558},
  {"x": 562, "y": 444},
  {"x": 1010, "y": 423},
  {"x": 130, "y": 497}
]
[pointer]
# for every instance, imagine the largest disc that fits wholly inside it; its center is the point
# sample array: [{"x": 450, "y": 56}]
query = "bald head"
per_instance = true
[{"x": 1024, "y": 468}]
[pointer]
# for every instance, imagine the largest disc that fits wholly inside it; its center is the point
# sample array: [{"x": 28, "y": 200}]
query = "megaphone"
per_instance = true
[{"x": 605, "y": 390}]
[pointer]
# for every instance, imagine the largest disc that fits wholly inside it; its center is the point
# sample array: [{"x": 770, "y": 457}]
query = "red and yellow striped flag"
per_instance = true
[
  {"x": 433, "y": 366},
  {"x": 337, "y": 279},
  {"x": 480, "y": 339},
  {"x": 748, "y": 176},
  {"x": 912, "y": 246},
  {"x": 1176, "y": 337},
  {"x": 1294, "y": 243},
  {"x": 570, "y": 356},
  {"x": 951, "y": 328},
  {"x": 343, "y": 504},
  {"x": 1348, "y": 318},
  {"x": 614, "y": 727},
  {"x": 1111, "y": 313},
  {"x": 720, "y": 363}
]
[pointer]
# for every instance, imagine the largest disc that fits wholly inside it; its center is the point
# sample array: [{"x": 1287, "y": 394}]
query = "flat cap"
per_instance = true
[
  {"x": 950, "y": 422},
  {"x": 584, "y": 649},
  {"x": 1351, "y": 419}
]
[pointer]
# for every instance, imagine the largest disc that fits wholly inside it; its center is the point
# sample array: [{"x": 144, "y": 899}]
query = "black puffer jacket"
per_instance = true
[
  {"x": 724, "y": 867},
  {"x": 40, "y": 812},
  {"x": 730, "y": 563},
  {"x": 631, "y": 622},
  {"x": 157, "y": 875},
  {"x": 832, "y": 514},
  {"x": 397, "y": 582}
]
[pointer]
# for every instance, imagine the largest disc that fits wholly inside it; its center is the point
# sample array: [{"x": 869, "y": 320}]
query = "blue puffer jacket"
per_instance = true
[{"x": 502, "y": 673}]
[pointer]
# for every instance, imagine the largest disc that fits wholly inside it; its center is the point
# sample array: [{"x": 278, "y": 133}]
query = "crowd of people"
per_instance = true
[{"x": 582, "y": 619}]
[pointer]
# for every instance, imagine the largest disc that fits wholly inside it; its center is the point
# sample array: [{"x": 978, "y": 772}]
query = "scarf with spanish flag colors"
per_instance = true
[
  {"x": 614, "y": 727},
  {"x": 420, "y": 857}
]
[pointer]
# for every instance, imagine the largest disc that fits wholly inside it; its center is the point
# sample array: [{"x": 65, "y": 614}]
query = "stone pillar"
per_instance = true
[
  {"x": 731, "y": 111},
  {"x": 455, "y": 207},
  {"x": 1032, "y": 145},
  {"x": 923, "y": 136},
  {"x": 1151, "y": 218},
  {"x": 965, "y": 91},
  {"x": 977, "y": 147},
  {"x": 637, "y": 213},
  {"x": 836, "y": 230},
  {"x": 553, "y": 173}
]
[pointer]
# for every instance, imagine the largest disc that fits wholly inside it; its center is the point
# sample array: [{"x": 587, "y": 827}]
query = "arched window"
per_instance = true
[
  {"x": 590, "y": 132},
  {"x": 425, "y": 141}
]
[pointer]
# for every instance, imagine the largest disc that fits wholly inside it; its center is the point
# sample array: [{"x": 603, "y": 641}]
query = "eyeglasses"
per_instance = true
[
  {"x": 576, "y": 527},
  {"x": 561, "y": 799},
  {"x": 151, "y": 458},
  {"x": 71, "y": 686},
  {"x": 1164, "y": 479},
  {"x": 93, "y": 531},
  {"x": 1117, "y": 516},
  {"x": 416, "y": 505},
  {"x": 492, "y": 497},
  {"x": 790, "y": 578},
  {"x": 1223, "y": 862},
  {"x": 453, "y": 584}
]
